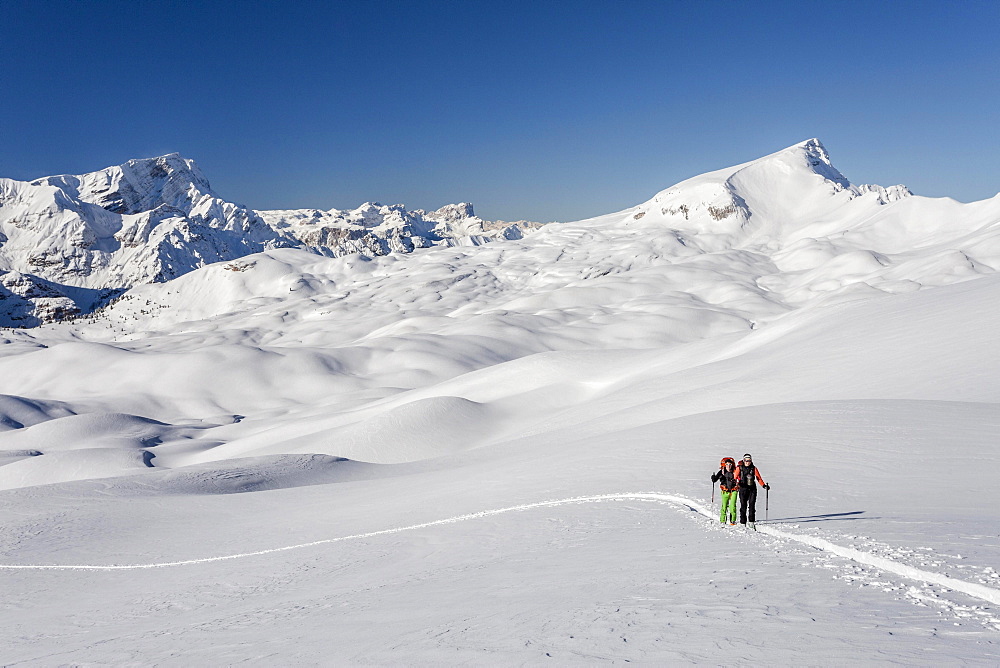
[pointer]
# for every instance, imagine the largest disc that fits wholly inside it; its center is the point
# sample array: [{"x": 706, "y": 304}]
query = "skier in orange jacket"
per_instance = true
[{"x": 747, "y": 477}]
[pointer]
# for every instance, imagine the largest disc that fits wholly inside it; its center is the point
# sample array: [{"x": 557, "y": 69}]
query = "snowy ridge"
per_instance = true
[{"x": 768, "y": 197}]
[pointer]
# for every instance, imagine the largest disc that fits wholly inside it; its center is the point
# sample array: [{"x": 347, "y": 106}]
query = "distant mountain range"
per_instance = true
[{"x": 69, "y": 244}]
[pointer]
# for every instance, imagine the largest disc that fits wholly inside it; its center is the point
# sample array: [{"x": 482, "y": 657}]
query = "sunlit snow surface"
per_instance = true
[{"x": 501, "y": 454}]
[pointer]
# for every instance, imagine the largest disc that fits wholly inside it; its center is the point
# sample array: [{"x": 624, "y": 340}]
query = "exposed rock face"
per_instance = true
[
  {"x": 81, "y": 239},
  {"x": 375, "y": 229},
  {"x": 28, "y": 301}
]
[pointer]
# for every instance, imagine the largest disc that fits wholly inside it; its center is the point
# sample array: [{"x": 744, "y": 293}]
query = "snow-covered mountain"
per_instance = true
[
  {"x": 70, "y": 243},
  {"x": 724, "y": 251},
  {"x": 820, "y": 233},
  {"x": 500, "y": 453}
]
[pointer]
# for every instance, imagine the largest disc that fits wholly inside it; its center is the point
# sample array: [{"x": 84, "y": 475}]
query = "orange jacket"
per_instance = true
[{"x": 749, "y": 483}]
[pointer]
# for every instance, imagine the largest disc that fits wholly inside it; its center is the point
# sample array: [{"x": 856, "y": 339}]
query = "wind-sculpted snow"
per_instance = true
[
  {"x": 843, "y": 334},
  {"x": 18, "y": 412}
]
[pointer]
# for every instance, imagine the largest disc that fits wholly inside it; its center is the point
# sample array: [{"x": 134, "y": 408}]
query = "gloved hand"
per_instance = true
[
  {"x": 714, "y": 477},
  {"x": 767, "y": 486}
]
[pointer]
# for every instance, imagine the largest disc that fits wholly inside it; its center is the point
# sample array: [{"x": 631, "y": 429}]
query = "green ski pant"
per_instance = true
[{"x": 729, "y": 504}]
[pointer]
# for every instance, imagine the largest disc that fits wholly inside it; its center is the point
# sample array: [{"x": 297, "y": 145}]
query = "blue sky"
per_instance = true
[{"x": 537, "y": 110}]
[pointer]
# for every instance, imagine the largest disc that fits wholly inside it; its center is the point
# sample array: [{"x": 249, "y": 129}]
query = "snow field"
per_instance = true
[
  {"x": 668, "y": 591},
  {"x": 300, "y": 460},
  {"x": 372, "y": 498},
  {"x": 988, "y": 594}
]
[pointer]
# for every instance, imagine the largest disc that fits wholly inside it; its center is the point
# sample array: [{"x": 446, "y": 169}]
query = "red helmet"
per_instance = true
[{"x": 727, "y": 460}]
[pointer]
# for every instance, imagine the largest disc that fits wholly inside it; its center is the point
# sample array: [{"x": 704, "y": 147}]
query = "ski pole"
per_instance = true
[
  {"x": 767, "y": 496},
  {"x": 713, "y": 492}
]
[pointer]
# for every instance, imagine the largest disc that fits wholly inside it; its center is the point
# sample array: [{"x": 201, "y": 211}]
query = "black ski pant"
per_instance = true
[{"x": 748, "y": 502}]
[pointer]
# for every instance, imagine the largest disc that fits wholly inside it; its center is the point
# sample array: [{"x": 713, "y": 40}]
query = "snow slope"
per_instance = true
[{"x": 500, "y": 454}]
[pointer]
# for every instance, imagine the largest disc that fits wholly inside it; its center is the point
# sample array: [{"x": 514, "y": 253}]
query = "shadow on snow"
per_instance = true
[{"x": 829, "y": 517}]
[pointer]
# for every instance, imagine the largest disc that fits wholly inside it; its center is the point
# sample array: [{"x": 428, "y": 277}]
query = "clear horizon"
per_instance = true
[{"x": 540, "y": 111}]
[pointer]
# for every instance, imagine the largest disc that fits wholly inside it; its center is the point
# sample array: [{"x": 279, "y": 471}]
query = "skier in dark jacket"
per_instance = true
[
  {"x": 726, "y": 477},
  {"x": 747, "y": 477}
]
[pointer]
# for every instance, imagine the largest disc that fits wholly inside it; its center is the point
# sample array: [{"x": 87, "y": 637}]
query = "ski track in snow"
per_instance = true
[{"x": 974, "y": 590}]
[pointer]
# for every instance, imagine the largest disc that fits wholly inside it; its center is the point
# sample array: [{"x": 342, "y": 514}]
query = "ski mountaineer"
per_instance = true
[
  {"x": 726, "y": 477},
  {"x": 747, "y": 477}
]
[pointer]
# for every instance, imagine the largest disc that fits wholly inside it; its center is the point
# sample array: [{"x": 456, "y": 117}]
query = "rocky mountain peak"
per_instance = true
[
  {"x": 452, "y": 213},
  {"x": 137, "y": 185}
]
